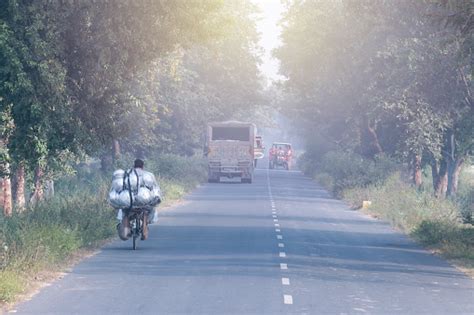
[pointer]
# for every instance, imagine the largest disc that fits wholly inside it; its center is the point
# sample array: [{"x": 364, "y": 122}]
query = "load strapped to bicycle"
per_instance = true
[{"x": 135, "y": 194}]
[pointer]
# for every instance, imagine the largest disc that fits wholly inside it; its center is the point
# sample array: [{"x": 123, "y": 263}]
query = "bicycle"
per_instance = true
[{"x": 138, "y": 224}]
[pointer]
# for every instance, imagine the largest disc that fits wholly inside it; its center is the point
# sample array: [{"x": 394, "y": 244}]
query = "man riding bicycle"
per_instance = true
[{"x": 133, "y": 191}]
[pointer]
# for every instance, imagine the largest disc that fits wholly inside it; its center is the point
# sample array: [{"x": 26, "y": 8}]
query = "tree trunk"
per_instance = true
[
  {"x": 434, "y": 172},
  {"x": 417, "y": 175},
  {"x": 106, "y": 162},
  {"x": 443, "y": 185},
  {"x": 2, "y": 197},
  {"x": 369, "y": 140},
  {"x": 440, "y": 177},
  {"x": 20, "y": 201},
  {"x": 7, "y": 197},
  {"x": 116, "y": 150},
  {"x": 38, "y": 193},
  {"x": 49, "y": 189},
  {"x": 375, "y": 143},
  {"x": 454, "y": 169},
  {"x": 457, "y": 172}
]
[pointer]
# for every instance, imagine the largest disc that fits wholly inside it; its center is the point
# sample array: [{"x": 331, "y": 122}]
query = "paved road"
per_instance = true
[{"x": 279, "y": 245}]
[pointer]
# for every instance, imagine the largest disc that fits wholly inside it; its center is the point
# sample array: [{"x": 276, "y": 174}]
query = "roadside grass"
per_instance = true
[
  {"x": 434, "y": 223},
  {"x": 443, "y": 226},
  {"x": 46, "y": 237}
]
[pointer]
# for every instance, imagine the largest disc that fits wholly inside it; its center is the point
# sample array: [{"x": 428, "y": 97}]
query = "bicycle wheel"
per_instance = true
[{"x": 135, "y": 232}]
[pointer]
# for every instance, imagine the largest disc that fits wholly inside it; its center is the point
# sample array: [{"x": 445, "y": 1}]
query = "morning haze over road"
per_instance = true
[
  {"x": 279, "y": 246},
  {"x": 304, "y": 157}
]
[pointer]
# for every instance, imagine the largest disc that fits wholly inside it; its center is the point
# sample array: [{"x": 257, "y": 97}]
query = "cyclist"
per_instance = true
[{"x": 150, "y": 215}]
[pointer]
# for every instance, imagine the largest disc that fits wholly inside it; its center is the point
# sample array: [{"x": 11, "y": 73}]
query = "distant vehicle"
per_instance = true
[
  {"x": 259, "y": 149},
  {"x": 280, "y": 155},
  {"x": 230, "y": 150}
]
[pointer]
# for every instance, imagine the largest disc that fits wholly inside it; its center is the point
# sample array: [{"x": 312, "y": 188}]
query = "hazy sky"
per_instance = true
[{"x": 269, "y": 32}]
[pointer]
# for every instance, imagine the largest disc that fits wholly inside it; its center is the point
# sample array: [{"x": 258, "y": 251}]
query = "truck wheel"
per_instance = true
[{"x": 213, "y": 179}]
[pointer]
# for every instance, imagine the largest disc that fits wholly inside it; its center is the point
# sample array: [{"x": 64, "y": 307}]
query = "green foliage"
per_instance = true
[
  {"x": 10, "y": 285},
  {"x": 340, "y": 170},
  {"x": 73, "y": 78},
  {"x": 186, "y": 170},
  {"x": 372, "y": 76},
  {"x": 404, "y": 207},
  {"x": 453, "y": 240},
  {"x": 465, "y": 195}
]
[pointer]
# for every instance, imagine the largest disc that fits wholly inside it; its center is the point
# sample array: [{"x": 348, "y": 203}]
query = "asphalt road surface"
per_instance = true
[{"x": 278, "y": 246}]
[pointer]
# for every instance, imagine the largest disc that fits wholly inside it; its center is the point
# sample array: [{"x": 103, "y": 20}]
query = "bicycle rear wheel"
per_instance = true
[
  {"x": 135, "y": 232},
  {"x": 134, "y": 246}
]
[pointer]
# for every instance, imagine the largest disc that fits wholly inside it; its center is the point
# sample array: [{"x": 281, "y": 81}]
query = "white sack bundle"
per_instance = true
[
  {"x": 117, "y": 184},
  {"x": 148, "y": 180},
  {"x": 156, "y": 194},
  {"x": 120, "y": 200},
  {"x": 118, "y": 174},
  {"x": 143, "y": 198}
]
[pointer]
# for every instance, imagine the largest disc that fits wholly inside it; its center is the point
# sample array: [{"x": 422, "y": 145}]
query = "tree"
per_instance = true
[{"x": 380, "y": 76}]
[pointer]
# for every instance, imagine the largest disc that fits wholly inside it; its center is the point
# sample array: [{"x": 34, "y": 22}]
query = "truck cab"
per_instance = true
[{"x": 230, "y": 150}]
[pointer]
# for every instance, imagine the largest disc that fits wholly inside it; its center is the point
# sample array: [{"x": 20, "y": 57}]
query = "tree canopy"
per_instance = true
[{"x": 391, "y": 77}]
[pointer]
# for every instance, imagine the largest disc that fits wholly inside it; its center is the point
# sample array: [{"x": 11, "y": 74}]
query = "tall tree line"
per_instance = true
[
  {"x": 383, "y": 77},
  {"x": 92, "y": 78}
]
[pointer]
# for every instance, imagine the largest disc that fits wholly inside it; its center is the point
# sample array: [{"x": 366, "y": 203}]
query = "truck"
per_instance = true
[
  {"x": 259, "y": 149},
  {"x": 230, "y": 150}
]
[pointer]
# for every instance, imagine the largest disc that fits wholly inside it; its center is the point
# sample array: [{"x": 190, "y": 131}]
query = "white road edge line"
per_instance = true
[
  {"x": 282, "y": 254},
  {"x": 285, "y": 281},
  {"x": 283, "y": 266},
  {"x": 287, "y": 299},
  {"x": 277, "y": 230},
  {"x": 281, "y": 245},
  {"x": 277, "y": 225},
  {"x": 280, "y": 237}
]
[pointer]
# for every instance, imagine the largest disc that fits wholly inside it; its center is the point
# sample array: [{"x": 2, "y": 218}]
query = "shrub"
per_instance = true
[
  {"x": 10, "y": 285},
  {"x": 350, "y": 170},
  {"x": 454, "y": 240},
  {"x": 325, "y": 180},
  {"x": 187, "y": 171},
  {"x": 465, "y": 197}
]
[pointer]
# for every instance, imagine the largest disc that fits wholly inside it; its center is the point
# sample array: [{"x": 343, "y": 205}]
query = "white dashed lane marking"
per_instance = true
[{"x": 287, "y": 299}]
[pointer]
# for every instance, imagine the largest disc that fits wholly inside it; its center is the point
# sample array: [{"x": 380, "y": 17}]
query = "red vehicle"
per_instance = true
[{"x": 280, "y": 155}]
